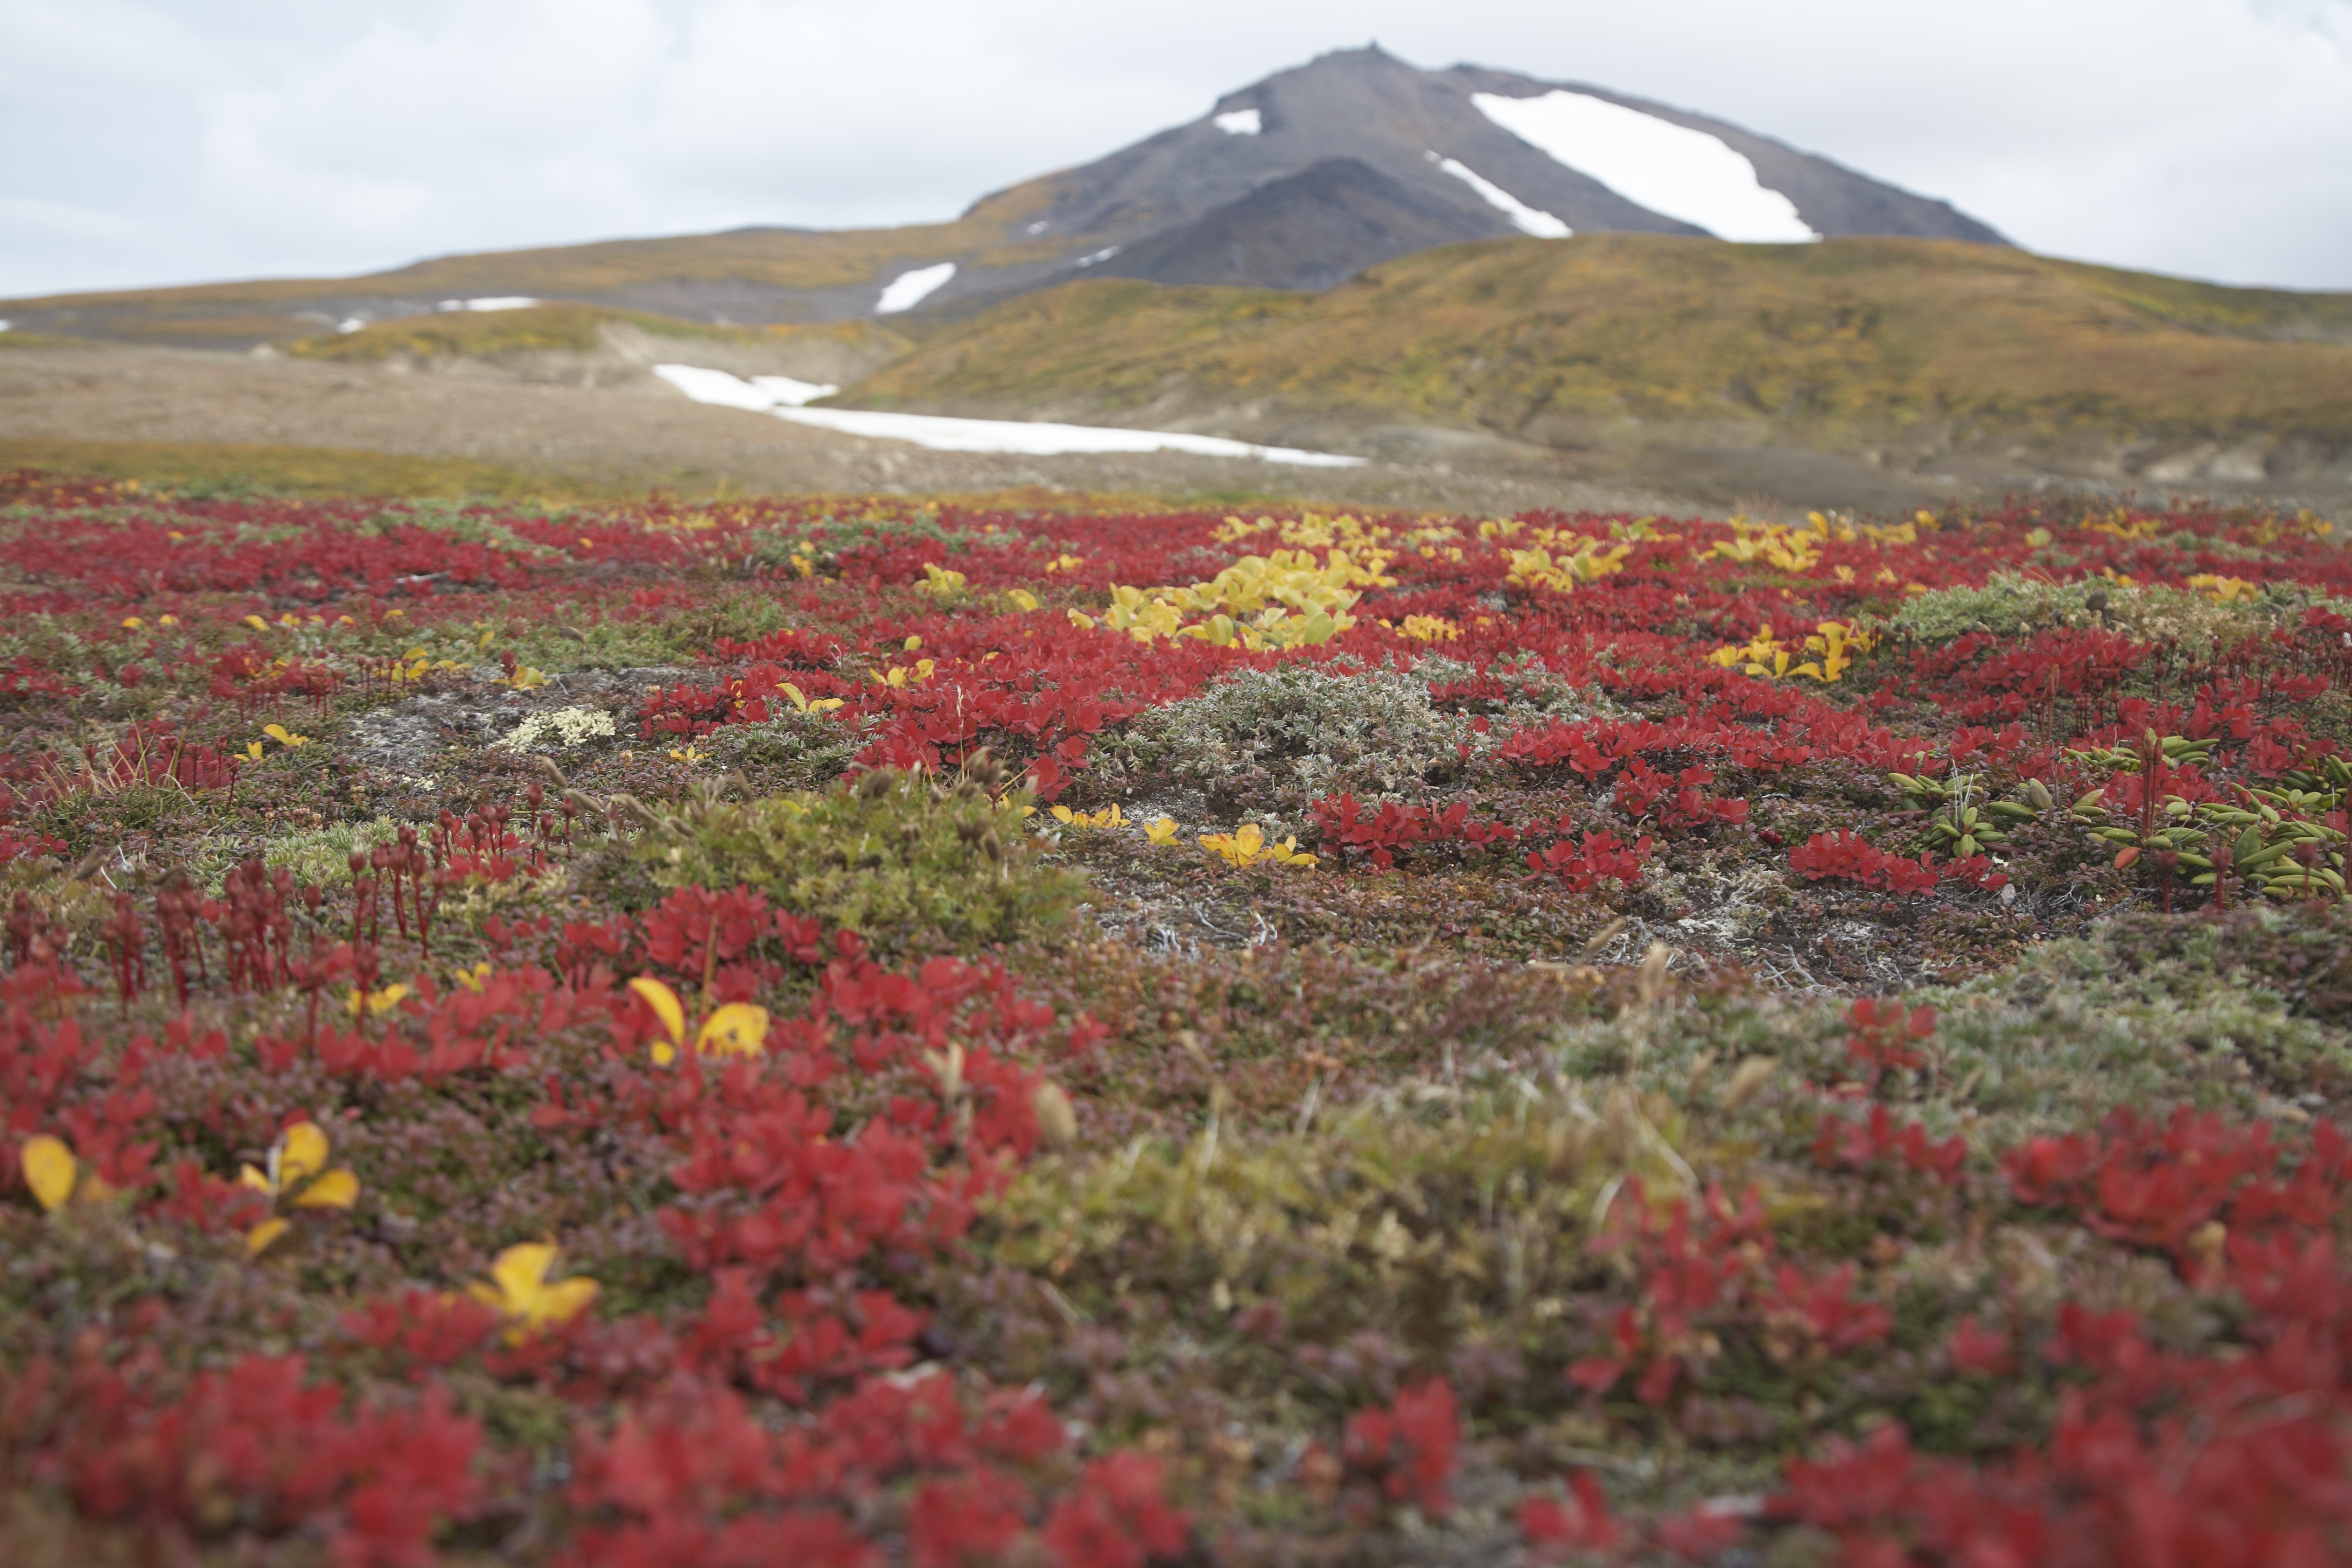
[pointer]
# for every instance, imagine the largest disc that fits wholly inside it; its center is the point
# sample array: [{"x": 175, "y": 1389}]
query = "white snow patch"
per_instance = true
[
  {"x": 1240, "y": 122},
  {"x": 791, "y": 392},
  {"x": 716, "y": 386},
  {"x": 909, "y": 289},
  {"x": 1105, "y": 254},
  {"x": 6, "y": 325},
  {"x": 491, "y": 303},
  {"x": 1542, "y": 225},
  {"x": 1653, "y": 162},
  {"x": 940, "y": 434},
  {"x": 1040, "y": 226},
  {"x": 350, "y": 324}
]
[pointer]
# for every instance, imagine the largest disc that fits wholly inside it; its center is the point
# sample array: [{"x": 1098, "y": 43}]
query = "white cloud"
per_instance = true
[{"x": 157, "y": 141}]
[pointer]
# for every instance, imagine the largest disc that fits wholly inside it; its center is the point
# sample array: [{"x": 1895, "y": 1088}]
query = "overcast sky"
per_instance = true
[{"x": 154, "y": 141}]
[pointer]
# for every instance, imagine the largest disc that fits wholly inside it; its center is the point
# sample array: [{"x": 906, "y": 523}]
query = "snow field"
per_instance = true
[
  {"x": 782, "y": 397},
  {"x": 1653, "y": 162},
  {"x": 909, "y": 289}
]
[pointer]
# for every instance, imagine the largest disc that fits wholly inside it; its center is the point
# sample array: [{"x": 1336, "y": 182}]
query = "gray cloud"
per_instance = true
[{"x": 154, "y": 143}]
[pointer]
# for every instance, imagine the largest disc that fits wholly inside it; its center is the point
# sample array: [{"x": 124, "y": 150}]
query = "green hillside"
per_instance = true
[
  {"x": 991, "y": 233},
  {"x": 1551, "y": 341}
]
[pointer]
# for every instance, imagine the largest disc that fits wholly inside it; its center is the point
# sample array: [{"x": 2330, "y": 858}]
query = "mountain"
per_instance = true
[
  {"x": 1493, "y": 152},
  {"x": 1297, "y": 182}
]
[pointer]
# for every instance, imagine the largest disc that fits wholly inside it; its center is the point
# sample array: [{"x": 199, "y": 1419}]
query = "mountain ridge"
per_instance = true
[{"x": 1400, "y": 122}]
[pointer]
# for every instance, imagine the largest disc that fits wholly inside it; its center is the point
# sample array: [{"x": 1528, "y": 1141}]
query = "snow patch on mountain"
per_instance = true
[
  {"x": 940, "y": 434},
  {"x": 494, "y": 302},
  {"x": 1542, "y": 225},
  {"x": 909, "y": 289},
  {"x": 1653, "y": 162},
  {"x": 1240, "y": 122}
]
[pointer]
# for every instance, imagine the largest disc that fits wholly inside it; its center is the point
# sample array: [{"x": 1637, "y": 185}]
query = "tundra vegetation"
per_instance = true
[{"x": 859, "y": 1031}]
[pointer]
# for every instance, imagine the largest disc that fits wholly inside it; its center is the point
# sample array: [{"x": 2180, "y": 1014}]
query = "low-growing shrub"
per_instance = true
[
  {"x": 893, "y": 858},
  {"x": 1278, "y": 738},
  {"x": 792, "y": 751}
]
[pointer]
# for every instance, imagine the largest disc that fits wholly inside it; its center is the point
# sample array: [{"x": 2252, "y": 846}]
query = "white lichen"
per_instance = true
[{"x": 566, "y": 728}]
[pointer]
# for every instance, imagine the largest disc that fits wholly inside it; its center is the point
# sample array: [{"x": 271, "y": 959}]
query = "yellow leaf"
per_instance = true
[
  {"x": 258, "y": 1238},
  {"x": 518, "y": 1272},
  {"x": 737, "y": 1029},
  {"x": 256, "y": 623},
  {"x": 49, "y": 1170},
  {"x": 665, "y": 1005},
  {"x": 521, "y": 1292},
  {"x": 1022, "y": 598},
  {"x": 338, "y": 1189},
  {"x": 302, "y": 1153},
  {"x": 1162, "y": 832},
  {"x": 246, "y": 1176},
  {"x": 376, "y": 1003},
  {"x": 133, "y": 623},
  {"x": 566, "y": 1300}
]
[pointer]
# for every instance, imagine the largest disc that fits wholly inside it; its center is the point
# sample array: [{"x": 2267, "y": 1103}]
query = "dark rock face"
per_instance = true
[
  {"x": 1308, "y": 230},
  {"x": 1390, "y": 123}
]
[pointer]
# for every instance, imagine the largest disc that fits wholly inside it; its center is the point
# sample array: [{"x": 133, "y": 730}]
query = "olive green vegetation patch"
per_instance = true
[
  {"x": 562, "y": 328},
  {"x": 902, "y": 861},
  {"x": 229, "y": 469}
]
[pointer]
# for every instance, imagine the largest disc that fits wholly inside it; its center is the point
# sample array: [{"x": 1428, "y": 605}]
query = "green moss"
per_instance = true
[
  {"x": 2010, "y": 605},
  {"x": 895, "y": 858},
  {"x": 321, "y": 855},
  {"x": 2005, "y": 605},
  {"x": 791, "y": 751},
  {"x": 2147, "y": 1012},
  {"x": 1455, "y": 1221}
]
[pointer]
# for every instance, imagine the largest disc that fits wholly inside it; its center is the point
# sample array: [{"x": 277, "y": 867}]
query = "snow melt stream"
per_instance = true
[
  {"x": 1652, "y": 163},
  {"x": 775, "y": 395}
]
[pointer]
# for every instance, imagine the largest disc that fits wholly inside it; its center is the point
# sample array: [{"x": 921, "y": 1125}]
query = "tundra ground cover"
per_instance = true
[{"x": 875, "y": 1033}]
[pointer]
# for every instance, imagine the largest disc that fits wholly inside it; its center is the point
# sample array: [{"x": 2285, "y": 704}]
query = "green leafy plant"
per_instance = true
[{"x": 892, "y": 857}]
